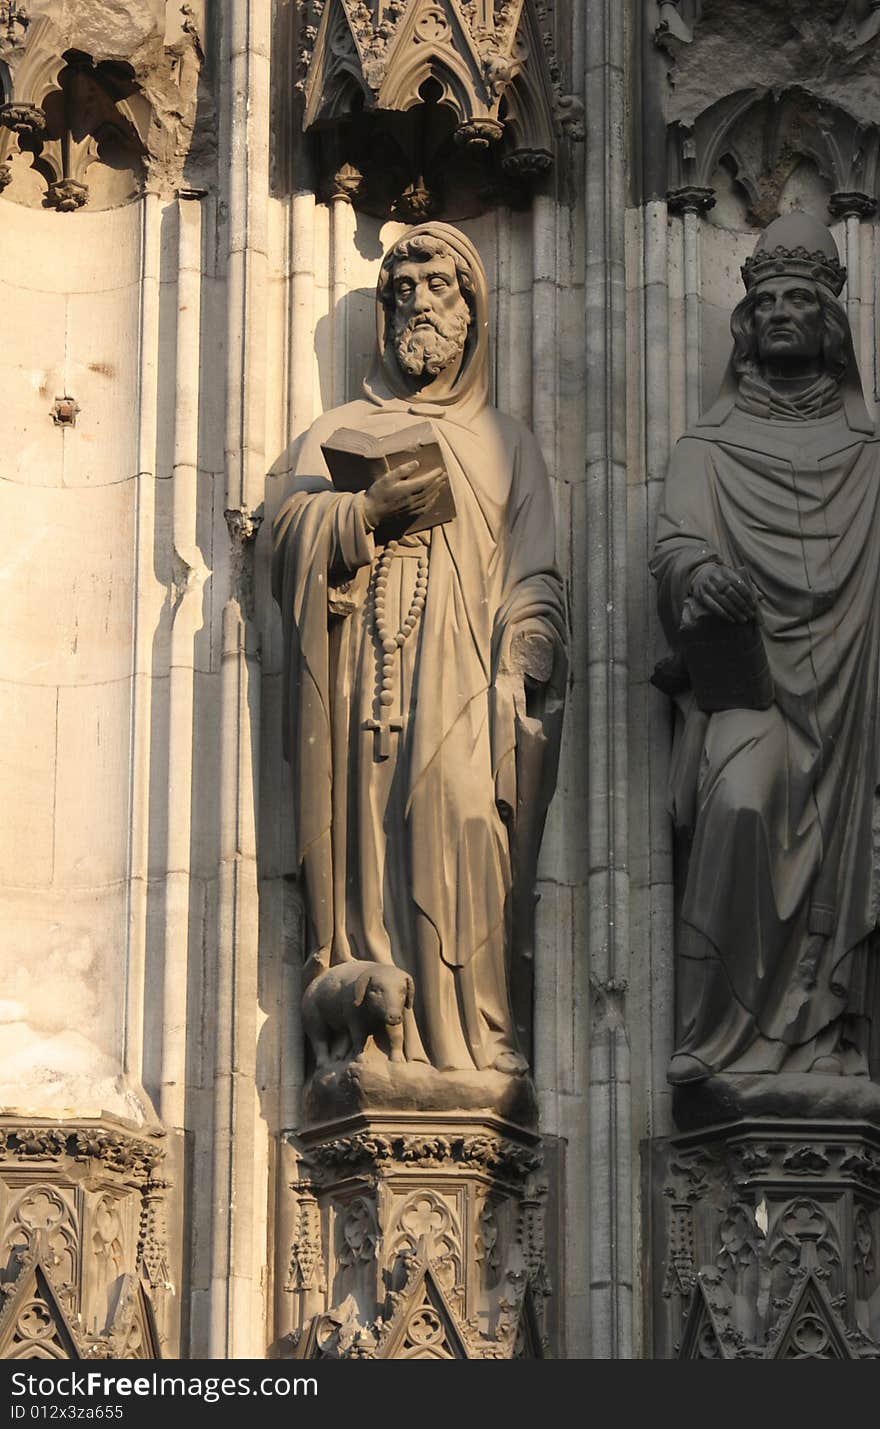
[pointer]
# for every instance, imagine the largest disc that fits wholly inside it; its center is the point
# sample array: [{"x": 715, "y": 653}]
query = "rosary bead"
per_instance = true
[{"x": 390, "y": 644}]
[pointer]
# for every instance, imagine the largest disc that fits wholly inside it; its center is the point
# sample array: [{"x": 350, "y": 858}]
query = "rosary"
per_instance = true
[{"x": 389, "y": 644}]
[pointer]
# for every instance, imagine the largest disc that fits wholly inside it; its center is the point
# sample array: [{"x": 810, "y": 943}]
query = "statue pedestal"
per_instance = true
[
  {"x": 368, "y": 1085},
  {"x": 766, "y": 1241},
  {"x": 415, "y": 1236},
  {"x": 90, "y": 1262}
]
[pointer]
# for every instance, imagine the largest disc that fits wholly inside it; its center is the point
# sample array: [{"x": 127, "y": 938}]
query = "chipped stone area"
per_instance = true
[
  {"x": 823, "y": 45},
  {"x": 126, "y": 120}
]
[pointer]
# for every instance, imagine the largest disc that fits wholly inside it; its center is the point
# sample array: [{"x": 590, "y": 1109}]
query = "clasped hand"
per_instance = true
[
  {"x": 724, "y": 592},
  {"x": 399, "y": 493}
]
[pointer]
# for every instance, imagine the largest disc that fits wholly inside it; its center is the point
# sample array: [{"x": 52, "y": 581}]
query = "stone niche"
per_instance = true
[
  {"x": 755, "y": 154},
  {"x": 415, "y": 108}
]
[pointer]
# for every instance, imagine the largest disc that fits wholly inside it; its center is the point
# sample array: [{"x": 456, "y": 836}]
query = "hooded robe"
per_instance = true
[
  {"x": 413, "y": 859},
  {"x": 777, "y": 805}
]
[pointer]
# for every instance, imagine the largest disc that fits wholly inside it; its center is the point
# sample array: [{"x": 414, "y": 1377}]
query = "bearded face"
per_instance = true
[{"x": 431, "y": 317}]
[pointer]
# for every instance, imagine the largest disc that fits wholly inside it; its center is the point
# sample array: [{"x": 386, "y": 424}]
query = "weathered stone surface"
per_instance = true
[
  {"x": 818, "y": 46},
  {"x": 92, "y": 111}
]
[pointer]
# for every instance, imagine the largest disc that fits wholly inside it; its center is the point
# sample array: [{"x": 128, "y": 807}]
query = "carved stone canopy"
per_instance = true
[
  {"x": 428, "y": 107},
  {"x": 763, "y": 145},
  {"x": 82, "y": 127},
  {"x": 86, "y": 117}
]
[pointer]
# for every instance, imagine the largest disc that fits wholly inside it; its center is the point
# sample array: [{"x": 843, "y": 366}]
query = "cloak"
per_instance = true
[
  {"x": 778, "y": 804},
  {"x": 413, "y": 858}
]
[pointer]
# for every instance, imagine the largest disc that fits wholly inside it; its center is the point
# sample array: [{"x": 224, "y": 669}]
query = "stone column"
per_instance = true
[{"x": 605, "y": 607}]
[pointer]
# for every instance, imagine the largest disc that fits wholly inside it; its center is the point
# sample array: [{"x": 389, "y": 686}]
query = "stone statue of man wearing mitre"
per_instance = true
[
  {"x": 425, "y": 665},
  {"x": 768, "y": 566}
]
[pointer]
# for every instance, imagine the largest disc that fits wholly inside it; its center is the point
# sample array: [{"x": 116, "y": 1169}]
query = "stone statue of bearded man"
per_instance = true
[
  {"x": 424, "y": 680},
  {"x": 771, "y": 519}
]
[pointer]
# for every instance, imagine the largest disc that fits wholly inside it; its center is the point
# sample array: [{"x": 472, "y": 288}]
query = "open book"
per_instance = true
[
  {"x": 355, "y": 460},
  {"x": 726, "y": 661}
]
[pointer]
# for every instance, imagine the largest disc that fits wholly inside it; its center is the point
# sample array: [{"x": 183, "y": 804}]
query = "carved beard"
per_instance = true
[{"x": 421, "y": 349}]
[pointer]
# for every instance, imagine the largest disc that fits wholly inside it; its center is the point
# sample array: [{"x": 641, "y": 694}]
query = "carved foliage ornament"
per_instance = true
[
  {"x": 506, "y": 1159},
  {"x": 425, "y": 95}
]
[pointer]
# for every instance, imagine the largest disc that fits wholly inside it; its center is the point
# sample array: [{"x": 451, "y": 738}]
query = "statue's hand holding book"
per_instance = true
[
  {"x": 402, "y": 473},
  {"x": 721, "y": 641}
]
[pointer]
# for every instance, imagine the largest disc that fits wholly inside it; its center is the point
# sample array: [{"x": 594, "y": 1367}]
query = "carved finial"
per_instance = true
[
  {"x": 416, "y": 203},
  {"x": 346, "y": 183},
  {"x": 478, "y": 133},
  {"x": 26, "y": 119},
  {"x": 526, "y": 163},
  {"x": 66, "y": 195}
]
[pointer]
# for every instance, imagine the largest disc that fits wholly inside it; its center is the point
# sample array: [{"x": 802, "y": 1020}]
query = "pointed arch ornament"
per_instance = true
[{"x": 458, "y": 102}]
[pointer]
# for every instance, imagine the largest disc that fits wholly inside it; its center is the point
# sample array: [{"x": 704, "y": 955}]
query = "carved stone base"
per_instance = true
[
  {"x": 85, "y": 1263},
  {"x": 365, "y": 1086},
  {"x": 416, "y": 1237},
  {"x": 766, "y": 1241},
  {"x": 801, "y": 1094}
]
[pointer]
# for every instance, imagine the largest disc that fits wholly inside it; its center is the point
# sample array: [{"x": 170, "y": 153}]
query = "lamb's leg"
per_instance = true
[
  {"x": 341, "y": 1044},
  {"x": 321, "y": 1049}
]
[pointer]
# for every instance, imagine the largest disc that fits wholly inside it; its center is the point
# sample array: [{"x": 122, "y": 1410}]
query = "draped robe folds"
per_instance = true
[
  {"x": 407, "y": 859},
  {"x": 778, "y": 803}
]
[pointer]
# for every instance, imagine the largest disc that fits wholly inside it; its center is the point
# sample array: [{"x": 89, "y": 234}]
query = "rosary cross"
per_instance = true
[{"x": 382, "y": 728}]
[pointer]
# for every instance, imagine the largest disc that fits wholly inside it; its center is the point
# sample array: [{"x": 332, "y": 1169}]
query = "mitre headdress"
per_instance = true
[
  {"x": 799, "y": 246},
  {"x": 796, "y": 246}
]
